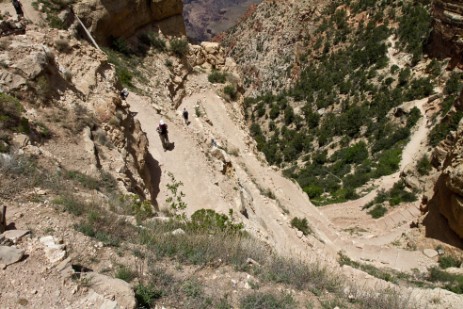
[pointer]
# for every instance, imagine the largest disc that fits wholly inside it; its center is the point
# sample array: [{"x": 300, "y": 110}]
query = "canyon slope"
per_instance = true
[{"x": 106, "y": 201}]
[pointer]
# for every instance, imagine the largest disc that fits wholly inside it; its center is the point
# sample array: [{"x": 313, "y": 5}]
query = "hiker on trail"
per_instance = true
[
  {"x": 163, "y": 133},
  {"x": 124, "y": 93},
  {"x": 185, "y": 115},
  {"x": 18, "y": 8}
]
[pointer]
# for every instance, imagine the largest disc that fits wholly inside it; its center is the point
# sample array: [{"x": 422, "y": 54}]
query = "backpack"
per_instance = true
[{"x": 162, "y": 128}]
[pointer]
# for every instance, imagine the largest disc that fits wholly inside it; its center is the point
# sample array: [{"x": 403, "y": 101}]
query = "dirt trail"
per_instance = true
[
  {"x": 29, "y": 12},
  {"x": 269, "y": 217},
  {"x": 349, "y": 214}
]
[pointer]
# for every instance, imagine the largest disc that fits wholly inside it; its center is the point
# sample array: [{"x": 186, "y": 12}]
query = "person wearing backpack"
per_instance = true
[
  {"x": 185, "y": 116},
  {"x": 163, "y": 133},
  {"x": 18, "y": 8}
]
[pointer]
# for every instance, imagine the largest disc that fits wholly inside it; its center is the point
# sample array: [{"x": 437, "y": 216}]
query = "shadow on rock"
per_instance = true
[
  {"x": 437, "y": 226},
  {"x": 152, "y": 178}
]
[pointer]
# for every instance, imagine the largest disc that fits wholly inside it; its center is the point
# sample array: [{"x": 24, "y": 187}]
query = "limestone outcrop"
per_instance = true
[
  {"x": 447, "y": 35},
  {"x": 122, "y": 18},
  {"x": 449, "y": 188}
]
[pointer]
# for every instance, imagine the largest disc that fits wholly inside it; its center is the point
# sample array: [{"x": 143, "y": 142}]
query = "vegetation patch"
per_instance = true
[
  {"x": 262, "y": 300},
  {"x": 344, "y": 101},
  {"x": 396, "y": 195},
  {"x": 302, "y": 225},
  {"x": 179, "y": 46},
  {"x": 217, "y": 77}
]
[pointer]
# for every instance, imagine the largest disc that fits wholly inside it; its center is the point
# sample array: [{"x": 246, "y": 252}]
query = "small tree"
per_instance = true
[{"x": 175, "y": 201}]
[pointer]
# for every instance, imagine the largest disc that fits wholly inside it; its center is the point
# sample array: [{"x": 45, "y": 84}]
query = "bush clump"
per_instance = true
[
  {"x": 217, "y": 77},
  {"x": 302, "y": 225},
  {"x": 179, "y": 47}
]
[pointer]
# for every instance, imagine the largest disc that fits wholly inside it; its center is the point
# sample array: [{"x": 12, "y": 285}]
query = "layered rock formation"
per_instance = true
[
  {"x": 269, "y": 40},
  {"x": 449, "y": 188},
  {"x": 122, "y": 18},
  {"x": 447, "y": 36}
]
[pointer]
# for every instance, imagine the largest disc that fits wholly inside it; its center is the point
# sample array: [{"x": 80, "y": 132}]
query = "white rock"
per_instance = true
[
  {"x": 178, "y": 232},
  {"x": 430, "y": 253},
  {"x": 55, "y": 255}
]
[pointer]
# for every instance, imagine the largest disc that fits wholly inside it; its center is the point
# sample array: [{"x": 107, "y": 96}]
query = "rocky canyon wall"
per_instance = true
[
  {"x": 106, "y": 18},
  {"x": 449, "y": 188},
  {"x": 447, "y": 36}
]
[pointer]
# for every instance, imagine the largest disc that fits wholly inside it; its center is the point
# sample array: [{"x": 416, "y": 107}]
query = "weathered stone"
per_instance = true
[
  {"x": 22, "y": 140},
  {"x": 104, "y": 285},
  {"x": 54, "y": 251},
  {"x": 10, "y": 255},
  {"x": 431, "y": 253},
  {"x": 95, "y": 300},
  {"x": 15, "y": 235},
  {"x": 54, "y": 255},
  {"x": 438, "y": 156},
  {"x": 252, "y": 262}
]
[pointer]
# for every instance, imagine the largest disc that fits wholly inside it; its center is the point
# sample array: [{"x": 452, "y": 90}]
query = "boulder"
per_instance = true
[
  {"x": 15, "y": 235},
  {"x": 10, "y": 255},
  {"x": 54, "y": 251},
  {"x": 121, "y": 292},
  {"x": 430, "y": 253}
]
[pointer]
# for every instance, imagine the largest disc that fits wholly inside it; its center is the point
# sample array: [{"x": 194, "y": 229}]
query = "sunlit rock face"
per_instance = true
[{"x": 122, "y": 18}]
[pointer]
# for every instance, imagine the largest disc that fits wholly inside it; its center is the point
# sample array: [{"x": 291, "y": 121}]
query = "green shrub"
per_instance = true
[
  {"x": 217, "y": 77},
  {"x": 453, "y": 85},
  {"x": 413, "y": 117},
  {"x": 453, "y": 282},
  {"x": 441, "y": 130},
  {"x": 123, "y": 73},
  {"x": 179, "y": 46},
  {"x": 120, "y": 45},
  {"x": 125, "y": 273},
  {"x": 192, "y": 288},
  {"x": 424, "y": 166},
  {"x": 10, "y": 113},
  {"x": 447, "y": 261},
  {"x": 209, "y": 220},
  {"x": 133, "y": 205},
  {"x": 261, "y": 300},
  {"x": 145, "y": 295},
  {"x": 414, "y": 28},
  {"x": 313, "y": 191},
  {"x": 399, "y": 194},
  {"x": 152, "y": 40},
  {"x": 378, "y": 211},
  {"x": 231, "y": 92},
  {"x": 71, "y": 204},
  {"x": 388, "y": 162},
  {"x": 302, "y": 225}
]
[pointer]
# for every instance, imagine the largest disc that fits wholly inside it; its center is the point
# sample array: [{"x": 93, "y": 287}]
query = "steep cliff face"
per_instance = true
[
  {"x": 85, "y": 124},
  {"x": 122, "y": 18},
  {"x": 449, "y": 188},
  {"x": 447, "y": 36}
]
